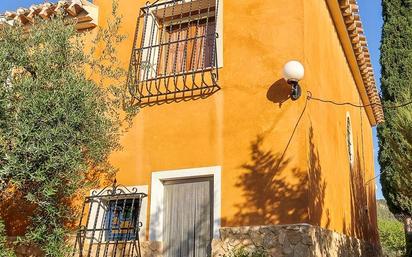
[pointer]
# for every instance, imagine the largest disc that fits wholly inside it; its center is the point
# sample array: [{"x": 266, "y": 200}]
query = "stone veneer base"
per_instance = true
[{"x": 299, "y": 240}]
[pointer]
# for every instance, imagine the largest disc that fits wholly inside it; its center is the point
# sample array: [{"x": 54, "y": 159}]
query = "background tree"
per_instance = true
[
  {"x": 395, "y": 136},
  {"x": 58, "y": 126},
  {"x": 392, "y": 236}
]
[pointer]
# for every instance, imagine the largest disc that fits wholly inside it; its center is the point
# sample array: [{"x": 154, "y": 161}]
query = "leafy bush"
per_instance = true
[
  {"x": 58, "y": 123},
  {"x": 5, "y": 251},
  {"x": 243, "y": 252},
  {"x": 392, "y": 237}
]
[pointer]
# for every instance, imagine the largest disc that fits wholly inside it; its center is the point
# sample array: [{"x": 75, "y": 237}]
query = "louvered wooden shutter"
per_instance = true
[{"x": 187, "y": 219}]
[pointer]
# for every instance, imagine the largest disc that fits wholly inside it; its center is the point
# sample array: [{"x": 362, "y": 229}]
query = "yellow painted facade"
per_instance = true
[
  {"x": 246, "y": 126},
  {"x": 282, "y": 161}
]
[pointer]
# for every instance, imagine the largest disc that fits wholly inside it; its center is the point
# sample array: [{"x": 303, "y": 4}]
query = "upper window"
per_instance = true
[
  {"x": 187, "y": 47},
  {"x": 177, "y": 51},
  {"x": 349, "y": 139}
]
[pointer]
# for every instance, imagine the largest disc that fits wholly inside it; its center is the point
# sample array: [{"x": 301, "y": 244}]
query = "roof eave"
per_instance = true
[
  {"x": 348, "y": 24},
  {"x": 84, "y": 13}
]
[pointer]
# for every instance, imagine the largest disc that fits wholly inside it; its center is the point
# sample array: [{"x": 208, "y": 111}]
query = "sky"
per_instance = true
[
  {"x": 371, "y": 15},
  {"x": 10, "y": 5}
]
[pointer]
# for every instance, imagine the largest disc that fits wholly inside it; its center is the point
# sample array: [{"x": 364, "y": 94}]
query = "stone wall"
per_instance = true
[
  {"x": 299, "y": 240},
  {"x": 151, "y": 249},
  {"x": 148, "y": 248}
]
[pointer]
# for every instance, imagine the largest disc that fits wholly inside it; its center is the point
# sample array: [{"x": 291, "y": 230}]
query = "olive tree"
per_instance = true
[{"x": 60, "y": 118}]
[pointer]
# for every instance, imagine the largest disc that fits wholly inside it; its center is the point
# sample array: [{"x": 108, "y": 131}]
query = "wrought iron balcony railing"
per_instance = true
[{"x": 174, "y": 55}]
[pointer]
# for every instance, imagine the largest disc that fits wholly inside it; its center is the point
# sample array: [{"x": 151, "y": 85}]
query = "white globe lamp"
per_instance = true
[{"x": 293, "y": 72}]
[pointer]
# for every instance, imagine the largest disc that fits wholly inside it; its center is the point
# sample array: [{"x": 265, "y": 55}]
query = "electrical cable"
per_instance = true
[
  {"x": 377, "y": 176},
  {"x": 310, "y": 97},
  {"x": 294, "y": 129},
  {"x": 291, "y": 136}
]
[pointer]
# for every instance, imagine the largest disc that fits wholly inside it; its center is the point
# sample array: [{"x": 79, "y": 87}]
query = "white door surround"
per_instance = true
[{"x": 157, "y": 191}]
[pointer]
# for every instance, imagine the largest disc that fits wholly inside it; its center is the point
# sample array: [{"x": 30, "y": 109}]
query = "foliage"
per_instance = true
[
  {"x": 105, "y": 65},
  {"x": 395, "y": 136},
  {"x": 58, "y": 124},
  {"x": 392, "y": 237},
  {"x": 390, "y": 231},
  {"x": 242, "y": 252},
  {"x": 5, "y": 251}
]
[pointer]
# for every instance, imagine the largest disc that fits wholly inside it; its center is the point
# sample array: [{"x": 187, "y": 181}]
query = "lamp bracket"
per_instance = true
[{"x": 296, "y": 91}]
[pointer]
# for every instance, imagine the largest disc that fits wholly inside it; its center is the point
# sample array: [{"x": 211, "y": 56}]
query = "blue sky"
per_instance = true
[
  {"x": 10, "y": 5},
  {"x": 371, "y": 14},
  {"x": 372, "y": 20}
]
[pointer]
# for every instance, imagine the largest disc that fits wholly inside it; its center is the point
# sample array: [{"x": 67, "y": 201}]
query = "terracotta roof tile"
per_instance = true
[
  {"x": 84, "y": 12},
  {"x": 350, "y": 13}
]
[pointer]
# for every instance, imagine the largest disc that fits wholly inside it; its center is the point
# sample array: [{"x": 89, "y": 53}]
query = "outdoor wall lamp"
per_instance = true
[{"x": 293, "y": 72}]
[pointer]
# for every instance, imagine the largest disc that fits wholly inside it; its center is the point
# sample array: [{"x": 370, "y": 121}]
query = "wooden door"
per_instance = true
[{"x": 187, "y": 218}]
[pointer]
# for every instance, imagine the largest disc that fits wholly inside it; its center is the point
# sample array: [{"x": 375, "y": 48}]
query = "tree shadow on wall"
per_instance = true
[
  {"x": 317, "y": 185},
  {"x": 274, "y": 192},
  {"x": 361, "y": 226}
]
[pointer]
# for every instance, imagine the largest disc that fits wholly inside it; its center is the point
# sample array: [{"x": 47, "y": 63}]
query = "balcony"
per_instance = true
[{"x": 175, "y": 52}]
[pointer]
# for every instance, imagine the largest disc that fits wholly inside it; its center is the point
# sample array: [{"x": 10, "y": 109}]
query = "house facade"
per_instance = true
[{"x": 224, "y": 154}]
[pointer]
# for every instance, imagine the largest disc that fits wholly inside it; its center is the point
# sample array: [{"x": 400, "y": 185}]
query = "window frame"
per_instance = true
[
  {"x": 108, "y": 226},
  {"x": 157, "y": 196},
  {"x": 177, "y": 82},
  {"x": 349, "y": 140},
  {"x": 100, "y": 206}
]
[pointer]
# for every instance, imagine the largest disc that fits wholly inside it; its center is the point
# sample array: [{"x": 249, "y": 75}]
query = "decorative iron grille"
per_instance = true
[
  {"x": 112, "y": 224},
  {"x": 174, "y": 54}
]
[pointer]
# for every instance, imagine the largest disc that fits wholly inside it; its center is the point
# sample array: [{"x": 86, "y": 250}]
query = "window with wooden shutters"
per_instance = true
[{"x": 176, "y": 52}]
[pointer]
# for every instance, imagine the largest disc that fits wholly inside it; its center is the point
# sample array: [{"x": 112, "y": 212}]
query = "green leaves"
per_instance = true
[
  {"x": 5, "y": 250},
  {"x": 395, "y": 136},
  {"x": 392, "y": 237},
  {"x": 57, "y": 125}
]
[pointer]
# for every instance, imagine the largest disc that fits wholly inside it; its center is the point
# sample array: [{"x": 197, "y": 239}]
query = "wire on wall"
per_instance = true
[
  {"x": 311, "y": 97},
  {"x": 397, "y": 106}
]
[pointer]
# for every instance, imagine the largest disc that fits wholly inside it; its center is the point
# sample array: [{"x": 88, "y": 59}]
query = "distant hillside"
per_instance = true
[{"x": 383, "y": 211}]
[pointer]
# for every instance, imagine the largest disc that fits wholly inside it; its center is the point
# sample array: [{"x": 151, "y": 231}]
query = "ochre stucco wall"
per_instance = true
[
  {"x": 342, "y": 196},
  {"x": 246, "y": 126}
]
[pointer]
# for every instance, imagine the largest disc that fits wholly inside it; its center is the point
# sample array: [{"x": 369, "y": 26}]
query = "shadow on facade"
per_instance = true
[
  {"x": 317, "y": 186},
  {"x": 362, "y": 223},
  {"x": 276, "y": 193},
  {"x": 279, "y": 92}
]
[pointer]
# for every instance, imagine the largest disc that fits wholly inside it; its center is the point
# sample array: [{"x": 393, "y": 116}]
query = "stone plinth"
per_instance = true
[
  {"x": 151, "y": 249},
  {"x": 300, "y": 240}
]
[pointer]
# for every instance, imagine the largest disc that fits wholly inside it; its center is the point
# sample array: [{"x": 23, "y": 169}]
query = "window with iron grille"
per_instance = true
[
  {"x": 122, "y": 219},
  {"x": 176, "y": 52},
  {"x": 110, "y": 222}
]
